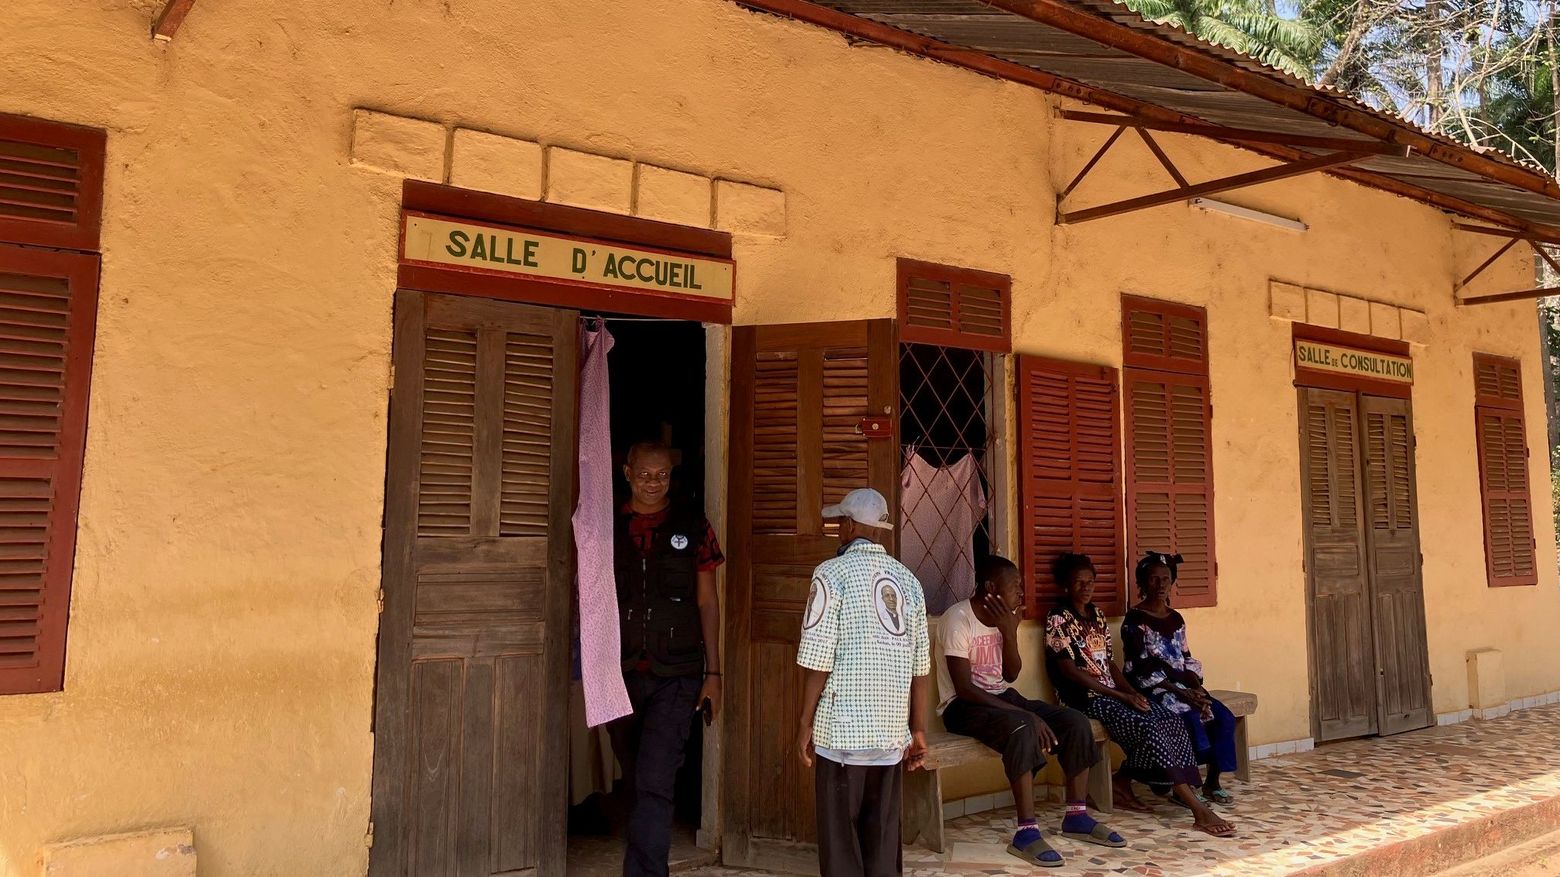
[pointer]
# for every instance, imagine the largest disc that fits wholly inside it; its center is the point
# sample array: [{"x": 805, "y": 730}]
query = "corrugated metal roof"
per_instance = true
[{"x": 1102, "y": 49}]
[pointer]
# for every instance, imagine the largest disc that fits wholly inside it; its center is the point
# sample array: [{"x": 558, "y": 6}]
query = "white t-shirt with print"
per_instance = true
[{"x": 961, "y": 635}]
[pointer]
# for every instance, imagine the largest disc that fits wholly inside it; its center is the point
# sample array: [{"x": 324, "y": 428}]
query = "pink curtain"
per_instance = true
[{"x": 601, "y": 668}]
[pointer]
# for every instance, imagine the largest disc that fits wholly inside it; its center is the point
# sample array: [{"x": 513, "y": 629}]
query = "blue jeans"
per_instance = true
[{"x": 1214, "y": 741}]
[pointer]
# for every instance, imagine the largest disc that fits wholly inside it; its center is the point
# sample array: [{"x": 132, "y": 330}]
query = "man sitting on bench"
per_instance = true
[{"x": 979, "y": 639}]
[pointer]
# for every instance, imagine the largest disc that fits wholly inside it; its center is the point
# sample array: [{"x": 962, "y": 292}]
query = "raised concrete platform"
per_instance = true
[{"x": 1403, "y": 806}]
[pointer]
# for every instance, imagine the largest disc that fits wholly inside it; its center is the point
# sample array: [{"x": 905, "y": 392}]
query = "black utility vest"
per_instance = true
[{"x": 658, "y": 595}]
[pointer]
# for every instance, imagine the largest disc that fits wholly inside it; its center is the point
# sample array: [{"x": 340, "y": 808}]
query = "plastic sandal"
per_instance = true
[
  {"x": 1034, "y": 851},
  {"x": 1101, "y": 835}
]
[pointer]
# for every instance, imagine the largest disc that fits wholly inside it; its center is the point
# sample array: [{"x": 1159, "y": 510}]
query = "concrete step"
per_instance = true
[
  {"x": 1452, "y": 847},
  {"x": 1539, "y": 857}
]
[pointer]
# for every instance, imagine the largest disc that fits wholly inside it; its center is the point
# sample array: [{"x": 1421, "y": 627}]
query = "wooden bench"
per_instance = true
[{"x": 923, "y": 799}]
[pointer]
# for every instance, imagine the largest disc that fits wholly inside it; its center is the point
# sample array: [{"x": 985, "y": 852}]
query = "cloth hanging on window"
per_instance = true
[
  {"x": 592, "y": 768},
  {"x": 940, "y": 508},
  {"x": 601, "y": 668}
]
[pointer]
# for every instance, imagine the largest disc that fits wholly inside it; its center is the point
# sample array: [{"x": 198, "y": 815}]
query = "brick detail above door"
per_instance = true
[{"x": 1350, "y": 313}]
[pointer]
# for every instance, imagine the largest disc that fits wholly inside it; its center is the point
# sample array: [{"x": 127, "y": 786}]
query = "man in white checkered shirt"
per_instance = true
[{"x": 865, "y": 646}]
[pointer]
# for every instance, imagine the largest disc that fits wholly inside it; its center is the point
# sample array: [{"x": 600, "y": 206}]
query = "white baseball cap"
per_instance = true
[{"x": 863, "y": 505}]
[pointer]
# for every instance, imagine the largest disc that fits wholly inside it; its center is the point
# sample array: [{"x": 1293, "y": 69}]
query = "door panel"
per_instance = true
[
  {"x": 1392, "y": 538},
  {"x": 799, "y": 394},
  {"x": 1342, "y": 655},
  {"x": 476, "y": 590}
]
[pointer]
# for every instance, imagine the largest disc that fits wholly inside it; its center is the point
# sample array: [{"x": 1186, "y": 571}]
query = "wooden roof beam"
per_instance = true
[
  {"x": 1519, "y": 295},
  {"x": 1239, "y": 135},
  {"x": 170, "y": 18}
]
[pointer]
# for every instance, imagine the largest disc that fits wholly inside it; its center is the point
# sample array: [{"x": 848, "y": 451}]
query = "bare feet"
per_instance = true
[
  {"x": 1124, "y": 798},
  {"x": 1204, "y": 819}
]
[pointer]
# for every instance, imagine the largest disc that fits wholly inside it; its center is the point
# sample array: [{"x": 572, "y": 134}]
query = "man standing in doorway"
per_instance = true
[
  {"x": 669, "y": 616},
  {"x": 865, "y": 647}
]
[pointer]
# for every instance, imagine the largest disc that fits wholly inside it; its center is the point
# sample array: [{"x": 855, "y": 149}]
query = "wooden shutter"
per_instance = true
[
  {"x": 954, "y": 307},
  {"x": 1169, "y": 457},
  {"x": 1509, "y": 548},
  {"x": 1070, "y": 466},
  {"x": 799, "y": 394},
  {"x": 1392, "y": 543},
  {"x": 478, "y": 582},
  {"x": 1342, "y": 653},
  {"x": 51, "y": 183},
  {"x": 48, "y": 309}
]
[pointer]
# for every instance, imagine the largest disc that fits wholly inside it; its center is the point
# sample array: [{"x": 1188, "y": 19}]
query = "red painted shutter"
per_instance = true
[
  {"x": 1069, "y": 417},
  {"x": 1509, "y": 549},
  {"x": 954, "y": 307},
  {"x": 1169, "y": 450},
  {"x": 51, "y": 183},
  {"x": 48, "y": 308}
]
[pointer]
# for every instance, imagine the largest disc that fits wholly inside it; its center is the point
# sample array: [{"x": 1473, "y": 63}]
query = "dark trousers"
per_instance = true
[
  {"x": 649, "y": 744},
  {"x": 1013, "y": 734},
  {"x": 858, "y": 819},
  {"x": 1214, "y": 741}
]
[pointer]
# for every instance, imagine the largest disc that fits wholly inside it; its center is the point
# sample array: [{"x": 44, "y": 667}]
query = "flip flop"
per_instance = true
[
  {"x": 1208, "y": 830},
  {"x": 1220, "y": 796},
  {"x": 1034, "y": 850},
  {"x": 1100, "y": 835}
]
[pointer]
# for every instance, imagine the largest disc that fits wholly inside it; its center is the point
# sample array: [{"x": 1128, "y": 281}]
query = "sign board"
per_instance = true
[
  {"x": 494, "y": 249},
  {"x": 1342, "y": 360}
]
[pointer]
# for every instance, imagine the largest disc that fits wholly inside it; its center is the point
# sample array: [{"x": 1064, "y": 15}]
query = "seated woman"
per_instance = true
[
  {"x": 1085, "y": 675},
  {"x": 1160, "y": 665}
]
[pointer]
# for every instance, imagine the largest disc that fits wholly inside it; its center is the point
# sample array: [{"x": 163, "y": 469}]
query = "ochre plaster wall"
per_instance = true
[{"x": 222, "y": 637}]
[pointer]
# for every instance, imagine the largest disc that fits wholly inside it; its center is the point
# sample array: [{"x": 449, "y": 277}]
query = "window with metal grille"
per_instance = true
[
  {"x": 1169, "y": 448},
  {"x": 954, "y": 325}
]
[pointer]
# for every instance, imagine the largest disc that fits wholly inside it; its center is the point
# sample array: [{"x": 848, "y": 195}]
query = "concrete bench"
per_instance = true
[{"x": 923, "y": 800}]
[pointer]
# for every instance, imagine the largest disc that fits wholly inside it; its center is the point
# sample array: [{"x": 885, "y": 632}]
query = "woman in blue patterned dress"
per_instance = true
[{"x": 1159, "y": 664}]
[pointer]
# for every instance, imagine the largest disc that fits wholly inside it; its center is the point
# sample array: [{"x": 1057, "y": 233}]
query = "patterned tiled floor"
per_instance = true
[{"x": 1299, "y": 810}]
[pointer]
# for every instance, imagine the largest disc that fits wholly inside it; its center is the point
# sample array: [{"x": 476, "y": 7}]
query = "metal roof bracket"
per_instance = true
[
  {"x": 1343, "y": 151},
  {"x": 1513, "y": 238}
]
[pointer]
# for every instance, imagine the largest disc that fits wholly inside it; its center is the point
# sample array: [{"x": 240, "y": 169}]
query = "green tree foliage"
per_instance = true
[{"x": 1250, "y": 27}]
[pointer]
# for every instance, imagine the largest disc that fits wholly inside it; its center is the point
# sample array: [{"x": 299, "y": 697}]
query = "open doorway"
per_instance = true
[{"x": 656, "y": 373}]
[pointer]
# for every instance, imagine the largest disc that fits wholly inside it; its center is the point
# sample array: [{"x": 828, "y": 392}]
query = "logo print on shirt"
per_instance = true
[
  {"x": 817, "y": 601},
  {"x": 890, "y": 602},
  {"x": 679, "y": 542}
]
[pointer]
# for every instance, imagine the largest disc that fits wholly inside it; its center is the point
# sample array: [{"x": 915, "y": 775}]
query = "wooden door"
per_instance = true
[
  {"x": 1392, "y": 546},
  {"x": 477, "y": 570},
  {"x": 1343, "y": 677},
  {"x": 799, "y": 396}
]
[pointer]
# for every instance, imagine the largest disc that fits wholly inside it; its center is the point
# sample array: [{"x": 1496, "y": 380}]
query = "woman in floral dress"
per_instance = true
[{"x": 1086, "y": 677}]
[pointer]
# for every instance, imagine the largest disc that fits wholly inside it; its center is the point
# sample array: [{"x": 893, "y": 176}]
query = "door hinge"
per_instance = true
[
  {"x": 392, "y": 376},
  {"x": 379, "y": 602},
  {"x": 368, "y": 839}
]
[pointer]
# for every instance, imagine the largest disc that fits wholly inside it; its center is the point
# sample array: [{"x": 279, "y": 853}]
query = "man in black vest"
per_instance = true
[{"x": 669, "y": 616}]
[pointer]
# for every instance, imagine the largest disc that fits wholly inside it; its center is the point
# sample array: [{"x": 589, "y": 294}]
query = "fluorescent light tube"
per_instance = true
[{"x": 1249, "y": 213}]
